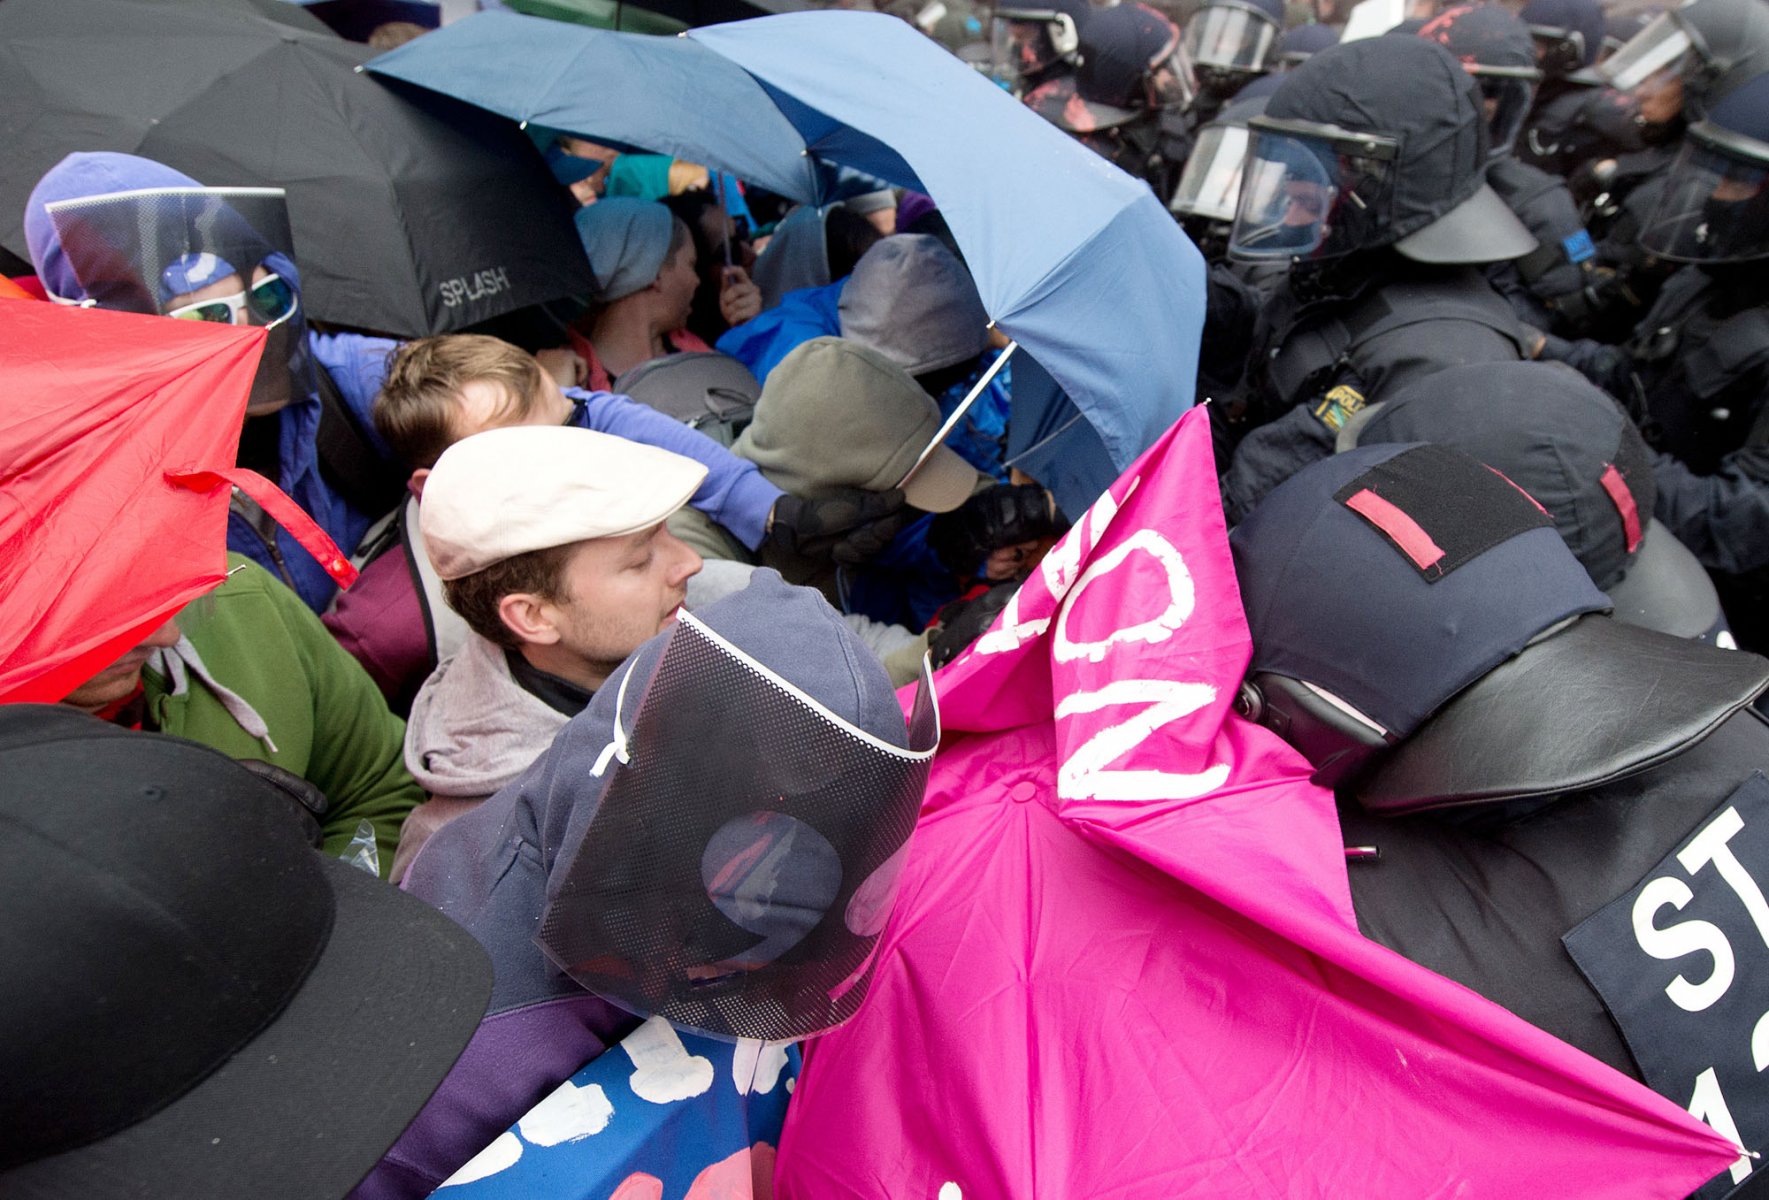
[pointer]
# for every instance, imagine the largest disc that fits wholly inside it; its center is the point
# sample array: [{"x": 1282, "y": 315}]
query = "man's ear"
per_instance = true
[
  {"x": 529, "y": 617},
  {"x": 415, "y": 485}
]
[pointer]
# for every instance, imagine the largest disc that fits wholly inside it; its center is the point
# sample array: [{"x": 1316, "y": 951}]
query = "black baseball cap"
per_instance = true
[
  {"x": 197, "y": 1003},
  {"x": 1433, "y": 596}
]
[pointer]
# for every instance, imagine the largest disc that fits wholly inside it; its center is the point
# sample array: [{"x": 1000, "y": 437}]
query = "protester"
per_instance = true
[
  {"x": 442, "y": 389},
  {"x": 551, "y": 545},
  {"x": 200, "y": 1005},
  {"x": 496, "y": 869},
  {"x": 143, "y": 251},
  {"x": 249, "y": 671}
]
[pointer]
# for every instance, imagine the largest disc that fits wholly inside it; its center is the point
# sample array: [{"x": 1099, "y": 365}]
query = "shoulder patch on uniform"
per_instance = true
[
  {"x": 1339, "y": 406},
  {"x": 1578, "y": 247}
]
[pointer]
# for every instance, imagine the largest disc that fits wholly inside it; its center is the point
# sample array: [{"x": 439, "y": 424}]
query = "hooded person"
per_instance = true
[
  {"x": 1696, "y": 370},
  {"x": 766, "y": 693},
  {"x": 1548, "y": 430},
  {"x": 119, "y": 231},
  {"x": 642, "y": 260},
  {"x": 1524, "y": 783},
  {"x": 1367, "y": 175}
]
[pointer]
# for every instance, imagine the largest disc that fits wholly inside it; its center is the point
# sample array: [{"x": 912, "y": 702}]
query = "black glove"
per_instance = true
[
  {"x": 1005, "y": 515},
  {"x": 846, "y": 527},
  {"x": 962, "y": 622},
  {"x": 307, "y": 804}
]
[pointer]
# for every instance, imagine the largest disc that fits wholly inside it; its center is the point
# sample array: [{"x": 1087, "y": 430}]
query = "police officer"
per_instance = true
[
  {"x": 1035, "y": 43},
  {"x": 1515, "y": 770},
  {"x": 1552, "y": 285},
  {"x": 1676, "y": 69},
  {"x": 1128, "y": 98},
  {"x": 1367, "y": 175},
  {"x": 1575, "y": 118},
  {"x": 1696, "y": 371},
  {"x": 1230, "y": 44}
]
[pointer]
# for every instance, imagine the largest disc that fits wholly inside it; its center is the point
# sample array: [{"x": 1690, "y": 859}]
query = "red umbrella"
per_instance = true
[{"x": 117, "y": 442}]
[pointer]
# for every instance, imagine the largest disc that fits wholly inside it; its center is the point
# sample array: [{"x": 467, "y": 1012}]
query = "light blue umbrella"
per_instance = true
[
  {"x": 1075, "y": 260},
  {"x": 658, "y": 95}
]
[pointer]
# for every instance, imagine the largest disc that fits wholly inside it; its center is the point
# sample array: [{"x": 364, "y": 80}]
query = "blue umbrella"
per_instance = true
[
  {"x": 1074, "y": 259},
  {"x": 630, "y": 90}
]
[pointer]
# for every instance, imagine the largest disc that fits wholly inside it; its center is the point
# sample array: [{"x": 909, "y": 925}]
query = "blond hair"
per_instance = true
[{"x": 421, "y": 397}]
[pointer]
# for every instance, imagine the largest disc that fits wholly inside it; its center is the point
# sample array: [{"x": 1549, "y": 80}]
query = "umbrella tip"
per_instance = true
[{"x": 357, "y": 68}]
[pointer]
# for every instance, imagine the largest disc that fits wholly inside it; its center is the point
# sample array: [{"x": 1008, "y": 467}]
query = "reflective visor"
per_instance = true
[
  {"x": 1715, "y": 205},
  {"x": 1173, "y": 83},
  {"x": 1211, "y": 182},
  {"x": 1025, "y": 41},
  {"x": 1313, "y": 191},
  {"x": 1506, "y": 95},
  {"x": 1662, "y": 45},
  {"x": 1227, "y": 37}
]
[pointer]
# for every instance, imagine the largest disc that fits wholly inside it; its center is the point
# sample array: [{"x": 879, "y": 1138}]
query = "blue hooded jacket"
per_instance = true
[{"x": 356, "y": 364}]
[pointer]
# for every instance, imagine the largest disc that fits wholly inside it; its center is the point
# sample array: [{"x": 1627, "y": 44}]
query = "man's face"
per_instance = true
[
  {"x": 271, "y": 386},
  {"x": 118, "y": 680},
  {"x": 617, "y": 593}
]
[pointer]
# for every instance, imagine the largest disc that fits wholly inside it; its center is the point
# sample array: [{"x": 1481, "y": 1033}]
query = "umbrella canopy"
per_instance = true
[
  {"x": 1123, "y": 960},
  {"x": 98, "y": 543},
  {"x": 411, "y": 215},
  {"x": 1073, "y": 258},
  {"x": 629, "y": 90}
]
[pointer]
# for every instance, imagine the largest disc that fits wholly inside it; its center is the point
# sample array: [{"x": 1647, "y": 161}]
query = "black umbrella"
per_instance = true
[{"x": 412, "y": 213}]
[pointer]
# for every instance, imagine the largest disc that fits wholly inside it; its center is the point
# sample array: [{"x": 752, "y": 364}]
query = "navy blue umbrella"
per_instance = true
[{"x": 1074, "y": 259}]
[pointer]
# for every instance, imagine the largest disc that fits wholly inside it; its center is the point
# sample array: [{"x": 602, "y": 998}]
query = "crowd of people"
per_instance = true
[{"x": 1486, "y": 352}]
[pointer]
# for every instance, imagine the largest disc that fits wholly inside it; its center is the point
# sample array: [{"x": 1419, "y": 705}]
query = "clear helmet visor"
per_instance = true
[
  {"x": 197, "y": 254},
  {"x": 1307, "y": 197},
  {"x": 1226, "y": 38},
  {"x": 1172, "y": 79},
  {"x": 1506, "y": 100},
  {"x": 1025, "y": 42},
  {"x": 743, "y": 859},
  {"x": 1663, "y": 46},
  {"x": 1210, "y": 185},
  {"x": 1715, "y": 204}
]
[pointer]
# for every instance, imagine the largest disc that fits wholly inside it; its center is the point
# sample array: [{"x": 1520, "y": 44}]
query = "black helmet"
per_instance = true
[
  {"x": 1033, "y": 40},
  {"x": 1568, "y": 33},
  {"x": 1373, "y": 143},
  {"x": 1497, "y": 49},
  {"x": 1715, "y": 204},
  {"x": 1713, "y": 46},
  {"x": 1230, "y": 41},
  {"x": 1132, "y": 57}
]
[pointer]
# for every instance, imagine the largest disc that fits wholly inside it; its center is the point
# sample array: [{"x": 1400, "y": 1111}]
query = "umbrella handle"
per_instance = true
[
  {"x": 724, "y": 211},
  {"x": 952, "y": 421}
]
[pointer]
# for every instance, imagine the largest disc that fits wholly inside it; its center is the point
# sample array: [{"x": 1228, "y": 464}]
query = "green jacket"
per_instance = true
[{"x": 327, "y": 720}]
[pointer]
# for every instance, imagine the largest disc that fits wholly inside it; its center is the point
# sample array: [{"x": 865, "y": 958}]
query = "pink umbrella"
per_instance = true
[{"x": 1123, "y": 960}]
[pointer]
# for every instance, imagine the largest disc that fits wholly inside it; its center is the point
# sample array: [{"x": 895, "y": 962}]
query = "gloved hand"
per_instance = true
[
  {"x": 307, "y": 804},
  {"x": 962, "y": 622},
  {"x": 847, "y": 527},
  {"x": 1004, "y": 515}
]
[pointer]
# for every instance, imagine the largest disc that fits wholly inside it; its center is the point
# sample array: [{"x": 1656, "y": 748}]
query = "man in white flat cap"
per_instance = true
[{"x": 551, "y": 545}]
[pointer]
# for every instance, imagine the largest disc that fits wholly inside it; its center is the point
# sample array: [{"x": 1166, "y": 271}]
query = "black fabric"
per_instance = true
[
  {"x": 560, "y": 695},
  {"x": 179, "y": 958},
  {"x": 1547, "y": 429},
  {"x": 1443, "y": 494},
  {"x": 1414, "y": 90},
  {"x": 1487, "y": 906},
  {"x": 348, "y": 460},
  {"x": 1687, "y": 986}
]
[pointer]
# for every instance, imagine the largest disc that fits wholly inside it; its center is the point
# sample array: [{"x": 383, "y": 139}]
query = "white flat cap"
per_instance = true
[{"x": 507, "y": 491}]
